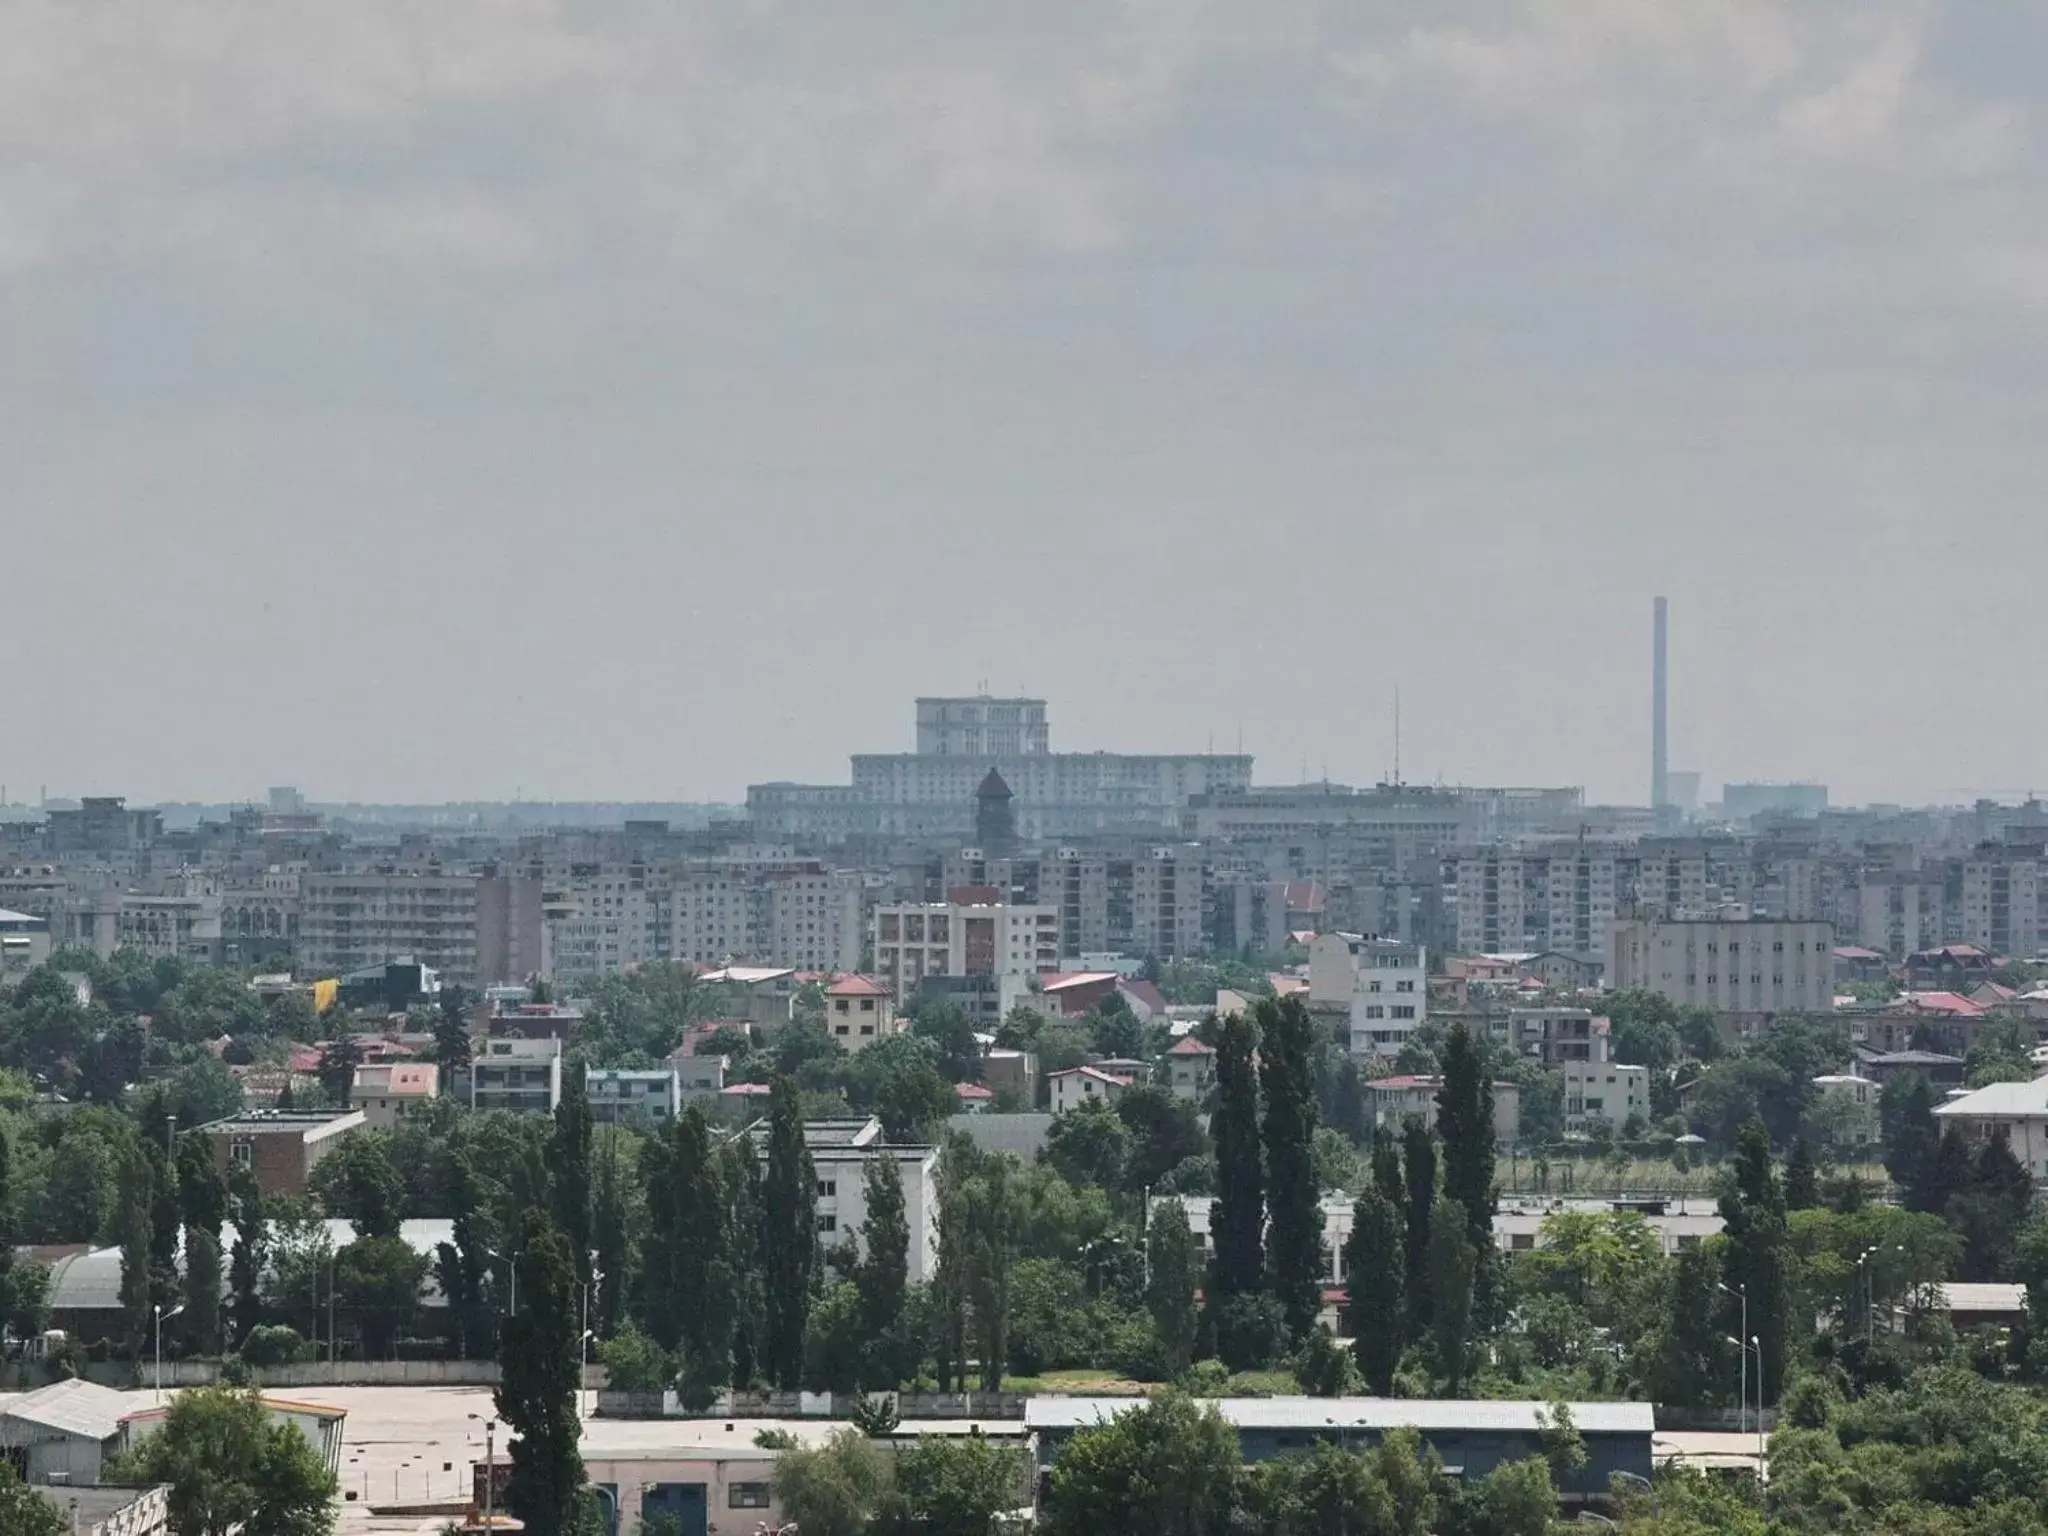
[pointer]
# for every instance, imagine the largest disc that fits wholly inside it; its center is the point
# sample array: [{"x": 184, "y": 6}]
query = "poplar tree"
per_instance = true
[
  {"x": 1376, "y": 1276},
  {"x": 1172, "y": 1278},
  {"x": 1294, "y": 1238},
  {"x": 569, "y": 1163},
  {"x": 1754, "y": 1259},
  {"x": 789, "y": 1238},
  {"x": 252, "y": 1247},
  {"x": 540, "y": 1372},
  {"x": 882, "y": 1275},
  {"x": 1418, "y": 1165},
  {"x": 1464, "y": 1121},
  {"x": 203, "y": 1199},
  {"x": 1237, "y": 1221}
]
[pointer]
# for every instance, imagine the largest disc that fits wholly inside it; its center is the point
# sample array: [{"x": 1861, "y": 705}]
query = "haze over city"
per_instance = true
[{"x": 636, "y": 402}]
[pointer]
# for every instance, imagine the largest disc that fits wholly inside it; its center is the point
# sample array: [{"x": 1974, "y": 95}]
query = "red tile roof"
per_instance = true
[
  {"x": 973, "y": 1091},
  {"x": 1188, "y": 1045},
  {"x": 1954, "y": 1004},
  {"x": 854, "y": 985}
]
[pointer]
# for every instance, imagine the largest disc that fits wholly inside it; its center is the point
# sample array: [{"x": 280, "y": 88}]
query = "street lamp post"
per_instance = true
[
  {"x": 1742, "y": 1385},
  {"x": 490, "y": 1471},
  {"x": 512, "y": 1269},
  {"x": 1756, "y": 1344},
  {"x": 161, "y": 1314}
]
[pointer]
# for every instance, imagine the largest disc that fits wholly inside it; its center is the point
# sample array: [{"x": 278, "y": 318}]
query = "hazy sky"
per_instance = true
[{"x": 636, "y": 398}]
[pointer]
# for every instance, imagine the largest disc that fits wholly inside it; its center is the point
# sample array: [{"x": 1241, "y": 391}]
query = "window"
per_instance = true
[
  {"x": 1404, "y": 1011},
  {"x": 828, "y": 1189},
  {"x": 1522, "y": 1242},
  {"x": 241, "y": 1154},
  {"x": 748, "y": 1496},
  {"x": 828, "y": 1223}
]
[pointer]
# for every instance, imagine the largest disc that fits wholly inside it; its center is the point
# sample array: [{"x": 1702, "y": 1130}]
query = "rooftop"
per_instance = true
[
  {"x": 75, "y": 1407},
  {"x": 1960, "y": 1296},
  {"x": 1376, "y": 1413},
  {"x": 311, "y": 1123},
  {"x": 2015, "y": 1099},
  {"x": 856, "y": 986}
]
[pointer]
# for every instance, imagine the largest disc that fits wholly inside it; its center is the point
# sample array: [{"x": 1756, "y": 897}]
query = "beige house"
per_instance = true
[
  {"x": 859, "y": 1011},
  {"x": 385, "y": 1090}
]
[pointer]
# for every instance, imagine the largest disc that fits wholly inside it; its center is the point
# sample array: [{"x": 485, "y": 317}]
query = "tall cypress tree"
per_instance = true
[
  {"x": 137, "y": 1187},
  {"x": 1172, "y": 1278},
  {"x": 1386, "y": 1167},
  {"x": 702, "y": 1278},
  {"x": 203, "y": 1200},
  {"x": 6, "y": 1214},
  {"x": 1294, "y": 1237},
  {"x": 1237, "y": 1221},
  {"x": 743, "y": 1190},
  {"x": 1905, "y": 1113},
  {"x": 1758, "y": 1243},
  {"x": 883, "y": 1274},
  {"x": 1464, "y": 1119},
  {"x": 1418, "y": 1159},
  {"x": 611, "y": 1235},
  {"x": 1376, "y": 1277},
  {"x": 539, "y": 1363},
  {"x": 570, "y": 1168},
  {"x": 1451, "y": 1265},
  {"x": 252, "y": 1248},
  {"x": 991, "y": 1251},
  {"x": 789, "y": 1237}
]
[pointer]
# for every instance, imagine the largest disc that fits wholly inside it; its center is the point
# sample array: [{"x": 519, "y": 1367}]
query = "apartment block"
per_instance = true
[
  {"x": 973, "y": 934},
  {"x": 521, "y": 1075},
  {"x": 1383, "y": 983},
  {"x": 1731, "y": 965},
  {"x": 475, "y": 930},
  {"x": 602, "y": 919},
  {"x": 796, "y": 913},
  {"x": 2001, "y": 901},
  {"x": 617, "y": 1094},
  {"x": 1563, "y": 899}
]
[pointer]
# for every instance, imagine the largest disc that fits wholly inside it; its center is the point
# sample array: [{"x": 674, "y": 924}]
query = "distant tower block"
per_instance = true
[
  {"x": 995, "y": 820},
  {"x": 1659, "y": 762}
]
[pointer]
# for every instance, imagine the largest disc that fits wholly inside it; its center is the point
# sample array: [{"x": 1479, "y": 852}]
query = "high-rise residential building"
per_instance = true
[
  {"x": 1562, "y": 898},
  {"x": 1149, "y": 901},
  {"x": 605, "y": 918},
  {"x": 777, "y": 911},
  {"x": 2001, "y": 900},
  {"x": 476, "y": 930},
  {"x": 1733, "y": 964},
  {"x": 972, "y": 933}
]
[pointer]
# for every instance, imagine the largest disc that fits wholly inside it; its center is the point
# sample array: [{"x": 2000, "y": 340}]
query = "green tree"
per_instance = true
[
  {"x": 789, "y": 1237},
  {"x": 569, "y": 1165},
  {"x": 23, "y": 1511},
  {"x": 1237, "y": 1222},
  {"x": 688, "y": 1280},
  {"x": 451, "y": 1035},
  {"x": 1418, "y": 1165},
  {"x": 1991, "y": 1210},
  {"x": 1165, "y": 1130},
  {"x": 1907, "y": 1129},
  {"x": 539, "y": 1374},
  {"x": 1643, "y": 1028},
  {"x": 230, "y": 1469},
  {"x": 912, "y": 1098},
  {"x": 1294, "y": 1236},
  {"x": 1464, "y": 1122},
  {"x": 339, "y": 1059},
  {"x": 953, "y": 1487},
  {"x": 1165, "y": 1467},
  {"x": 1755, "y": 1259},
  {"x": 1451, "y": 1279},
  {"x": 7, "y": 1200},
  {"x": 252, "y": 1247},
  {"x": 950, "y": 1030},
  {"x": 359, "y": 1181},
  {"x": 989, "y": 1231},
  {"x": 1802, "y": 1178},
  {"x": 742, "y": 1171},
  {"x": 1325, "y": 1491},
  {"x": 835, "y": 1489},
  {"x": 1173, "y": 1263},
  {"x": 1691, "y": 1363},
  {"x": 378, "y": 1280},
  {"x": 1089, "y": 1144},
  {"x": 134, "y": 1230},
  {"x": 203, "y": 1196},
  {"x": 882, "y": 1276},
  {"x": 1376, "y": 1274},
  {"x": 1386, "y": 1168}
]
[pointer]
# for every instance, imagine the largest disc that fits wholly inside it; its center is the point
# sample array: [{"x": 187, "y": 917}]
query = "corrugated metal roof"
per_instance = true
[
  {"x": 2001, "y": 1099},
  {"x": 1963, "y": 1296},
  {"x": 1374, "y": 1413},
  {"x": 75, "y": 1407}
]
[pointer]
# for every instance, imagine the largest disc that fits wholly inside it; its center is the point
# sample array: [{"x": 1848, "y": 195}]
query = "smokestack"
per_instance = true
[{"x": 1659, "y": 797}]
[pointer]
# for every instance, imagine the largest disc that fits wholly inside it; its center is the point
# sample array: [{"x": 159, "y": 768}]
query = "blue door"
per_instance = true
[{"x": 683, "y": 1501}]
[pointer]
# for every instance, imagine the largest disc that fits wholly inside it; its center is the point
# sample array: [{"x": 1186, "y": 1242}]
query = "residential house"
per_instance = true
[
  {"x": 1085, "y": 1085},
  {"x": 617, "y": 1094},
  {"x": 1191, "y": 1069},
  {"x": 858, "y": 1012},
  {"x": 282, "y": 1146},
  {"x": 384, "y": 1090}
]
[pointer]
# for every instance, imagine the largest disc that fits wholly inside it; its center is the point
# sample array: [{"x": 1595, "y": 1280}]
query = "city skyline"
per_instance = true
[{"x": 500, "y": 417}]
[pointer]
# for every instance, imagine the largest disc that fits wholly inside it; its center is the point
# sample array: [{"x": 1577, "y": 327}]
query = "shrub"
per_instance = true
[{"x": 273, "y": 1344}]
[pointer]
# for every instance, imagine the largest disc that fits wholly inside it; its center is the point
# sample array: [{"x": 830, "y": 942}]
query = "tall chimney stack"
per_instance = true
[{"x": 1659, "y": 763}]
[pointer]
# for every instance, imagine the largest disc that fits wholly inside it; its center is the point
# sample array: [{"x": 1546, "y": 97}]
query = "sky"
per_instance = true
[{"x": 633, "y": 399}]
